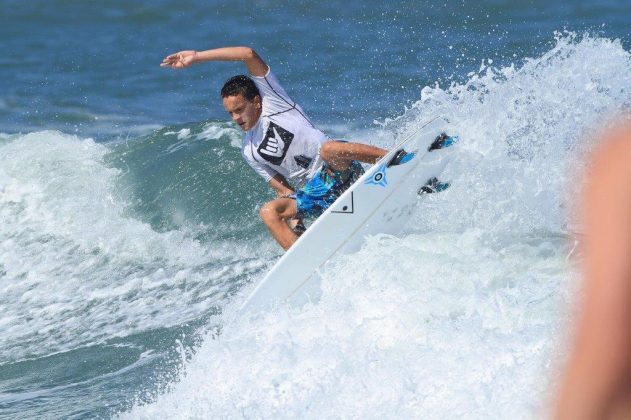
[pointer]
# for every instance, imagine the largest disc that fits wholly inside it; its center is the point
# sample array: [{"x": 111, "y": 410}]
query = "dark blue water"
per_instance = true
[
  {"x": 129, "y": 222},
  {"x": 92, "y": 68}
]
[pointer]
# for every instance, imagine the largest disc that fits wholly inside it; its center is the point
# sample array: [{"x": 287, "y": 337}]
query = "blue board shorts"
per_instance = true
[{"x": 323, "y": 188}]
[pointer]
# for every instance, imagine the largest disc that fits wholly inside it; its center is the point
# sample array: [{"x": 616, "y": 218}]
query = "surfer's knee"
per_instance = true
[
  {"x": 269, "y": 212},
  {"x": 278, "y": 209}
]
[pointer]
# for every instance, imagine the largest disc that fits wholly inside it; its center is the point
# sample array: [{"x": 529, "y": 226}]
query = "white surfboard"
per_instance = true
[{"x": 380, "y": 201}]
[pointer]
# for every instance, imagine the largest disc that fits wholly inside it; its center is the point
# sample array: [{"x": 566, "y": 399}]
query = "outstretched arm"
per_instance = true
[{"x": 255, "y": 64}]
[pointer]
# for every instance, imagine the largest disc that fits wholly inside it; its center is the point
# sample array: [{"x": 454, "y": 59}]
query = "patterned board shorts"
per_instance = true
[{"x": 321, "y": 190}]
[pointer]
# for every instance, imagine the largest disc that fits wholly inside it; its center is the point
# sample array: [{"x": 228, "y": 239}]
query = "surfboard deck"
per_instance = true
[{"x": 380, "y": 201}]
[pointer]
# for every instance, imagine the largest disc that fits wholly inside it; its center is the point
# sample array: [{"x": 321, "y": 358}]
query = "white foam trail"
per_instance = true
[{"x": 427, "y": 326}]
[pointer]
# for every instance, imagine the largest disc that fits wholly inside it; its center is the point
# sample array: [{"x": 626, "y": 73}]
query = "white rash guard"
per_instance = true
[{"x": 283, "y": 141}]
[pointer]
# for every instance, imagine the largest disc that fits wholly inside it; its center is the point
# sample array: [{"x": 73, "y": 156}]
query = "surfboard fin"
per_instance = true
[
  {"x": 400, "y": 158},
  {"x": 433, "y": 186},
  {"x": 442, "y": 141}
]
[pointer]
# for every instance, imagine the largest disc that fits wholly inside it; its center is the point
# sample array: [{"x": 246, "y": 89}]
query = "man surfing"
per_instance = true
[{"x": 282, "y": 145}]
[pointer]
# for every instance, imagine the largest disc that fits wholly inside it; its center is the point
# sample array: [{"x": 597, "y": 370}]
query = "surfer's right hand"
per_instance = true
[{"x": 179, "y": 60}]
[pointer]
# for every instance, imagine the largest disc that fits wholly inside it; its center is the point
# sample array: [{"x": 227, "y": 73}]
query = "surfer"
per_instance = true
[{"x": 281, "y": 143}]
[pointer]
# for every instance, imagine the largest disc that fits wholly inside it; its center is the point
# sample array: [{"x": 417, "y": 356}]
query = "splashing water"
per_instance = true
[{"x": 462, "y": 315}]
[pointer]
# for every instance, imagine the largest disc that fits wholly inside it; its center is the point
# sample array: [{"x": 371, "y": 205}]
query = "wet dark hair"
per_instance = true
[{"x": 240, "y": 85}]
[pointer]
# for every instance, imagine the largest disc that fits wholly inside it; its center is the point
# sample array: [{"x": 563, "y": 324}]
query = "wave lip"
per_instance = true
[{"x": 77, "y": 267}]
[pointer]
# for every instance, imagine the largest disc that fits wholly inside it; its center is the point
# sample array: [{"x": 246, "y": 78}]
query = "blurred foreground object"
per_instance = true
[{"x": 596, "y": 382}]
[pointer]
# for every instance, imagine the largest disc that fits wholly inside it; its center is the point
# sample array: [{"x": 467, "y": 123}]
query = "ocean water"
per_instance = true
[{"x": 129, "y": 228}]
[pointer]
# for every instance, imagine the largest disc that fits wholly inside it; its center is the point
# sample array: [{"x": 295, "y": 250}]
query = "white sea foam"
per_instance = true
[
  {"x": 422, "y": 327},
  {"x": 461, "y": 316},
  {"x": 76, "y": 269}
]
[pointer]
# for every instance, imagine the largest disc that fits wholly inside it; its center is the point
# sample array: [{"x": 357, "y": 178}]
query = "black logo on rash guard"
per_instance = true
[
  {"x": 274, "y": 146},
  {"x": 303, "y": 161}
]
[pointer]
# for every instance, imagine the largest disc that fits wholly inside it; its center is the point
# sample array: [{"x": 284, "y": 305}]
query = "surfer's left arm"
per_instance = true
[{"x": 340, "y": 154}]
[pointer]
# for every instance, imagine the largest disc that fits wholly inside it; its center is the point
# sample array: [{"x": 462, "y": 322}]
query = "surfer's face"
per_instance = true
[{"x": 242, "y": 111}]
